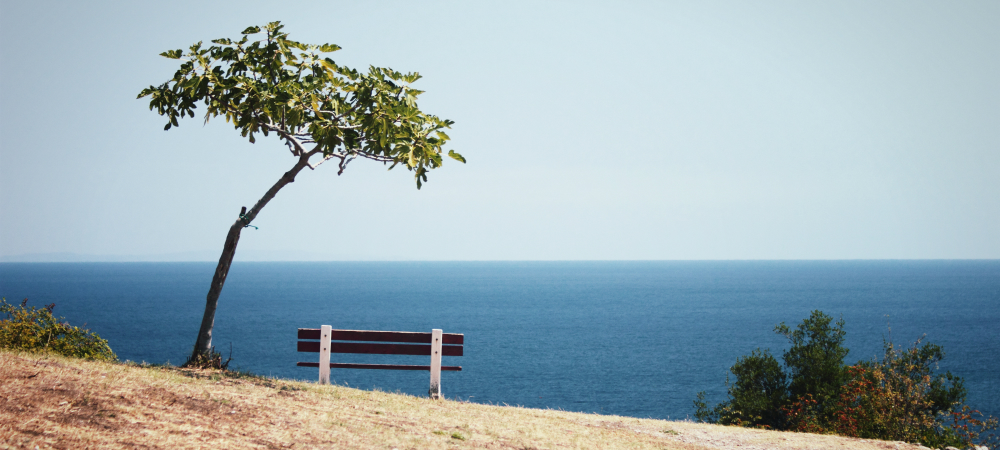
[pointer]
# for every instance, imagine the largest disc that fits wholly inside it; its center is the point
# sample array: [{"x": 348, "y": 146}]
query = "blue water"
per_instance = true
[{"x": 629, "y": 338}]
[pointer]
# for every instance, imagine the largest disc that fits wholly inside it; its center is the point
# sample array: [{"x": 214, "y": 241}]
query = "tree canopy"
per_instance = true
[
  {"x": 277, "y": 85},
  {"x": 816, "y": 358}
]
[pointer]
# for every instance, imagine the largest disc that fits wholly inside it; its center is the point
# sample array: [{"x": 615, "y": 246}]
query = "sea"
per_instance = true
[{"x": 629, "y": 338}]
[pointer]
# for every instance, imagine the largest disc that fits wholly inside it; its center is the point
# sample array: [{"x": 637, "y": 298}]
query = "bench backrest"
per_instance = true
[{"x": 402, "y": 342}]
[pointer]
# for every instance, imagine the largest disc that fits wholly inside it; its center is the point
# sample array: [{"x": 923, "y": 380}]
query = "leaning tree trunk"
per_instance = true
[{"x": 203, "y": 346}]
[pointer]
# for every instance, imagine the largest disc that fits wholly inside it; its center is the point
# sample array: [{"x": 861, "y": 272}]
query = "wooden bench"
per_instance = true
[{"x": 326, "y": 340}]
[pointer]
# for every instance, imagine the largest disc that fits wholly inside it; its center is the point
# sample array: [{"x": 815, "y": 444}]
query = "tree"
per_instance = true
[
  {"x": 319, "y": 109},
  {"x": 816, "y": 359}
]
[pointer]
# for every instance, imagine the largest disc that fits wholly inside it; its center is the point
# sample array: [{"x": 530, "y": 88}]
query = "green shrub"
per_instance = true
[
  {"x": 900, "y": 399},
  {"x": 755, "y": 399},
  {"x": 897, "y": 398},
  {"x": 761, "y": 391},
  {"x": 37, "y": 330}
]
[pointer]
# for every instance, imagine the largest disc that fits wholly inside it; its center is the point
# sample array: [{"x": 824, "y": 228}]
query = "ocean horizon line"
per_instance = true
[{"x": 305, "y": 257}]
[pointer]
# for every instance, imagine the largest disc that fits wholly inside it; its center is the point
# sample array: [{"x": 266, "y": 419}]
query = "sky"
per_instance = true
[{"x": 593, "y": 131}]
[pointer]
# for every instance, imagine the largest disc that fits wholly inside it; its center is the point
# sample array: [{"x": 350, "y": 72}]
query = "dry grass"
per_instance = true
[{"x": 55, "y": 402}]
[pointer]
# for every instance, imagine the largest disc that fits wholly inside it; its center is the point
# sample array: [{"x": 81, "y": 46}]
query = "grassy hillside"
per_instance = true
[{"x": 55, "y": 402}]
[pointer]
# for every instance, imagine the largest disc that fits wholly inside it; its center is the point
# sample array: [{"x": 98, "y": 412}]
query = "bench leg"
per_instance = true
[
  {"x": 324, "y": 354},
  {"x": 435, "y": 391}
]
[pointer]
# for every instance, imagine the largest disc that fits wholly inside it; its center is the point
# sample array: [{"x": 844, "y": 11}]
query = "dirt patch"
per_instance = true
[
  {"x": 52, "y": 404},
  {"x": 60, "y": 403}
]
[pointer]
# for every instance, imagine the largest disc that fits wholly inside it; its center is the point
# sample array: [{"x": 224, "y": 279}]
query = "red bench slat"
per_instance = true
[
  {"x": 379, "y": 349},
  {"x": 382, "y": 336},
  {"x": 379, "y": 366}
]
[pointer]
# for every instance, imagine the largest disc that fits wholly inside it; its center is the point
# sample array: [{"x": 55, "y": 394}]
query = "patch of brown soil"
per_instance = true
[
  {"x": 59, "y": 403},
  {"x": 52, "y": 404}
]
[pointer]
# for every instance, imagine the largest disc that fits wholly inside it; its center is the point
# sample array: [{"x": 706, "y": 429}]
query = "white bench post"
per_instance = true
[
  {"x": 435, "y": 391},
  {"x": 324, "y": 354}
]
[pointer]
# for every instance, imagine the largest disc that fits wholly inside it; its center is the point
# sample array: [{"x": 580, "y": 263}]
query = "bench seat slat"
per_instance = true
[
  {"x": 382, "y": 336},
  {"x": 379, "y": 366},
  {"x": 379, "y": 349}
]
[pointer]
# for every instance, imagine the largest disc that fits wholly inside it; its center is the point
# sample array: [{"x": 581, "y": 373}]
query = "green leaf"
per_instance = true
[
  {"x": 251, "y": 30},
  {"x": 456, "y": 156},
  {"x": 172, "y": 54},
  {"x": 329, "y": 64},
  {"x": 327, "y": 48},
  {"x": 315, "y": 105}
]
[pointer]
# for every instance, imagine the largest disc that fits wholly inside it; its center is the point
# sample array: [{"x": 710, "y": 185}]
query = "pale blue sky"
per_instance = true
[{"x": 615, "y": 130}]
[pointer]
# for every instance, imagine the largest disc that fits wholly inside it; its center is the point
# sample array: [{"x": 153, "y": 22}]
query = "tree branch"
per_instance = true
[
  {"x": 332, "y": 155},
  {"x": 294, "y": 144},
  {"x": 372, "y": 157}
]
